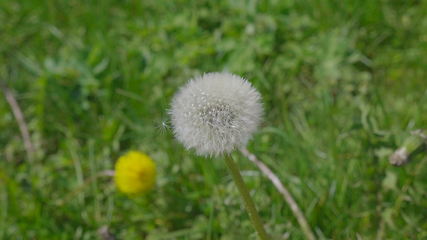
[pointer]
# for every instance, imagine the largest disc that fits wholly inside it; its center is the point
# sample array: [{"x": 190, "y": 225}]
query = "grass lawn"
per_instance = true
[{"x": 343, "y": 84}]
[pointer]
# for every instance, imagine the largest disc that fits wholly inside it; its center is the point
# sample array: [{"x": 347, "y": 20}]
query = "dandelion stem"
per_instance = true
[{"x": 249, "y": 204}]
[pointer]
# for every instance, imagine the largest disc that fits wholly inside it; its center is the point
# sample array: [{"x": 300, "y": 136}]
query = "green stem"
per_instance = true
[{"x": 249, "y": 204}]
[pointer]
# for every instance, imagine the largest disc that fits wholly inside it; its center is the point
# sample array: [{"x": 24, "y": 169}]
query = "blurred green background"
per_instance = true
[{"x": 343, "y": 83}]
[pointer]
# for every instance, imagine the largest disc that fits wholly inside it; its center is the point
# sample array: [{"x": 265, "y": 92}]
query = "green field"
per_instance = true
[{"x": 343, "y": 84}]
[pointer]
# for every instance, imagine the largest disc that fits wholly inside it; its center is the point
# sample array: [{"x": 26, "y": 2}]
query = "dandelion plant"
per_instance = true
[
  {"x": 135, "y": 173},
  {"x": 215, "y": 114}
]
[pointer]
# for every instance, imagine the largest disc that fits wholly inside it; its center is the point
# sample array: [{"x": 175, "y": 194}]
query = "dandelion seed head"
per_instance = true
[{"x": 216, "y": 113}]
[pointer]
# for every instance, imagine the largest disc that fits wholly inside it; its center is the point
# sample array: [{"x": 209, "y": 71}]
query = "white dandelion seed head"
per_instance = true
[{"x": 216, "y": 113}]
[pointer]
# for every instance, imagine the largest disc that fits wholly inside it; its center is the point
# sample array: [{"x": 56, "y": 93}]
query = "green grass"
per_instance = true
[{"x": 343, "y": 83}]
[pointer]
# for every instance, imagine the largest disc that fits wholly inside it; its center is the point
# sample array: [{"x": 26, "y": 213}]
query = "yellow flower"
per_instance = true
[{"x": 135, "y": 172}]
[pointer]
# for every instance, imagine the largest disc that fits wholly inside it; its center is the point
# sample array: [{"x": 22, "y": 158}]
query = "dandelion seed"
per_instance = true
[
  {"x": 135, "y": 173},
  {"x": 163, "y": 127},
  {"x": 216, "y": 113}
]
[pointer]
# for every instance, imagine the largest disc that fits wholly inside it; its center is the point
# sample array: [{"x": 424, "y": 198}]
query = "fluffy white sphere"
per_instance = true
[{"x": 216, "y": 113}]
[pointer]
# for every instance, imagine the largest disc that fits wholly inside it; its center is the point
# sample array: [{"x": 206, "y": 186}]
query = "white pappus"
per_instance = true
[{"x": 216, "y": 113}]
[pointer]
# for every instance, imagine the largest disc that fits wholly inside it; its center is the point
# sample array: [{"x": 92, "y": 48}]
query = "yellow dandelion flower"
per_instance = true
[{"x": 135, "y": 172}]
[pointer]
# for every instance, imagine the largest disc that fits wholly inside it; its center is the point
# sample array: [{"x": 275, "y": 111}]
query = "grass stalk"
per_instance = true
[{"x": 285, "y": 193}]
